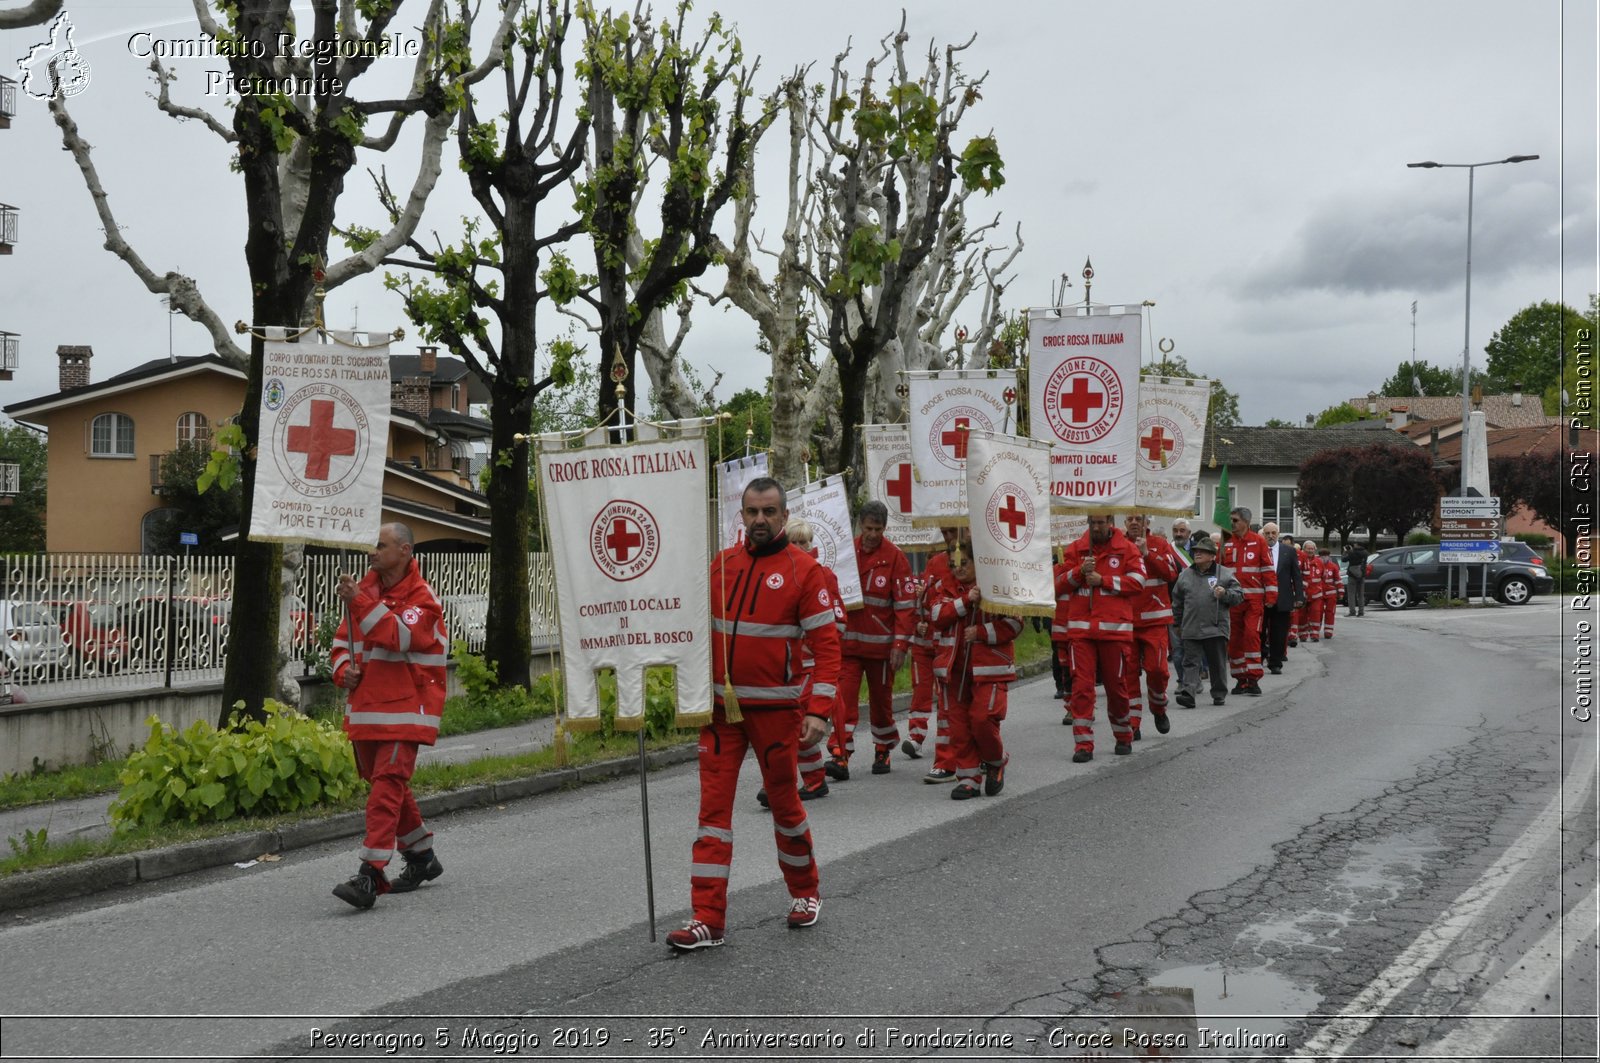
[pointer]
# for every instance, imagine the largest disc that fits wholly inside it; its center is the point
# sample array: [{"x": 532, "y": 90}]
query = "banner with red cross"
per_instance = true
[
  {"x": 888, "y": 480},
  {"x": 945, "y": 406},
  {"x": 1083, "y": 394},
  {"x": 630, "y": 539},
  {"x": 1008, "y": 488},
  {"x": 324, "y": 435},
  {"x": 732, "y": 476},
  {"x": 1172, "y": 426},
  {"x": 825, "y": 506}
]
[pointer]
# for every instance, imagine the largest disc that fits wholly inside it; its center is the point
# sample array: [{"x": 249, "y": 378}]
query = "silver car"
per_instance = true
[{"x": 31, "y": 635}]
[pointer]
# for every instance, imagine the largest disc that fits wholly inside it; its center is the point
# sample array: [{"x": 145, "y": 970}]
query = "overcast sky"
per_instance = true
[{"x": 1241, "y": 164}]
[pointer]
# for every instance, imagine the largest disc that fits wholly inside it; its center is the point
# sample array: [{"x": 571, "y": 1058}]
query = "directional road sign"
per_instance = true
[
  {"x": 1469, "y": 552},
  {"x": 1469, "y": 507}
]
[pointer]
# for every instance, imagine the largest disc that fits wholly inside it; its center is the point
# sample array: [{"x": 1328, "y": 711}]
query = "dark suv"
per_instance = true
[{"x": 1404, "y": 575}]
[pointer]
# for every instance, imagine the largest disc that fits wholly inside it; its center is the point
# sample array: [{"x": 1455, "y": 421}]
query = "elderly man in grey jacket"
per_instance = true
[{"x": 1205, "y": 592}]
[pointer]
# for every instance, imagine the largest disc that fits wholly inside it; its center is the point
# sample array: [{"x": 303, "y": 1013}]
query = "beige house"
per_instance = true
[{"x": 106, "y": 441}]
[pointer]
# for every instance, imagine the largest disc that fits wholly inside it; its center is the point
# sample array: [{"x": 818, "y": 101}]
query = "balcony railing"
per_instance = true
[
  {"x": 10, "y": 479},
  {"x": 8, "y": 227},
  {"x": 10, "y": 354},
  {"x": 8, "y": 101}
]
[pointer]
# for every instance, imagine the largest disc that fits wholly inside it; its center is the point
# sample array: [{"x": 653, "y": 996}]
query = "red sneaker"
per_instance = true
[
  {"x": 695, "y": 935},
  {"x": 804, "y": 911}
]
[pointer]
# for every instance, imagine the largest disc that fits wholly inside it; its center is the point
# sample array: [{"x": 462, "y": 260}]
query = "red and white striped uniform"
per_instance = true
[
  {"x": 1152, "y": 621},
  {"x": 1250, "y": 560},
  {"x": 1100, "y": 629}
]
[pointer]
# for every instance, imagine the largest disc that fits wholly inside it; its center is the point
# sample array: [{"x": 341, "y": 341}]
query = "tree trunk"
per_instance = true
[
  {"x": 852, "y": 390},
  {"x": 508, "y": 643}
]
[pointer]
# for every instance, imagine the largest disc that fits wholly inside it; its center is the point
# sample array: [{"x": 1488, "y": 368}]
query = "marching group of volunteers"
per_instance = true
[{"x": 788, "y": 661}]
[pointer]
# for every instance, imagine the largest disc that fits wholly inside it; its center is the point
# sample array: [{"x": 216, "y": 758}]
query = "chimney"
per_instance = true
[
  {"x": 74, "y": 366},
  {"x": 411, "y": 395},
  {"x": 430, "y": 359},
  {"x": 1398, "y": 417}
]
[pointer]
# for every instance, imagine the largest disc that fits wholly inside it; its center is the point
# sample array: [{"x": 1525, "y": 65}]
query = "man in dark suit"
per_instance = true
[{"x": 1291, "y": 591}]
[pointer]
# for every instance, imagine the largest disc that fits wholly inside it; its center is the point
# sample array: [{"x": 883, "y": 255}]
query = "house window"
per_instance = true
[
  {"x": 193, "y": 428},
  {"x": 1277, "y": 505},
  {"x": 111, "y": 436},
  {"x": 1209, "y": 511},
  {"x": 455, "y": 396}
]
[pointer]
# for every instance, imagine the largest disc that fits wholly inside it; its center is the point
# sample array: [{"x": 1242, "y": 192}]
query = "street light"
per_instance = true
[{"x": 1466, "y": 342}]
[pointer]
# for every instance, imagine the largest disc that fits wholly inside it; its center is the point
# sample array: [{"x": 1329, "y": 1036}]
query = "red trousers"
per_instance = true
[
  {"x": 1244, "y": 638},
  {"x": 1330, "y": 609},
  {"x": 975, "y": 727},
  {"x": 775, "y": 736},
  {"x": 922, "y": 700},
  {"x": 1102, "y": 661},
  {"x": 880, "y": 705},
  {"x": 393, "y": 819},
  {"x": 1147, "y": 654}
]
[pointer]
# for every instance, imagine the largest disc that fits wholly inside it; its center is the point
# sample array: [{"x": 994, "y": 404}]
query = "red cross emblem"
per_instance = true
[
  {"x": 1012, "y": 517},
  {"x": 1079, "y": 399},
  {"x": 899, "y": 485},
  {"x": 1156, "y": 445},
  {"x": 956, "y": 437},
  {"x": 622, "y": 540},
  {"x": 1010, "y": 395},
  {"x": 320, "y": 441},
  {"x": 1009, "y": 517}
]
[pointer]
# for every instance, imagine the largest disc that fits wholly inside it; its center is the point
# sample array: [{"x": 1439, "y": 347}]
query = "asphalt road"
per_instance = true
[{"x": 1392, "y": 854}]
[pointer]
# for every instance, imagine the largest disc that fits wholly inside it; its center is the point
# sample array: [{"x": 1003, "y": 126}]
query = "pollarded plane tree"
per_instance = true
[{"x": 296, "y": 136}]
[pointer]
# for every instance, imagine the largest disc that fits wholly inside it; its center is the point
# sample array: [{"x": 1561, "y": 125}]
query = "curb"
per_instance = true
[{"x": 32, "y": 888}]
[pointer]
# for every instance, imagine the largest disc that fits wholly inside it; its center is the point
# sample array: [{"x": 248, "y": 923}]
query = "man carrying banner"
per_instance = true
[
  {"x": 767, "y": 597},
  {"x": 937, "y": 580},
  {"x": 393, "y": 664},
  {"x": 1152, "y": 615},
  {"x": 876, "y": 639},
  {"x": 1247, "y": 556},
  {"x": 1104, "y": 575},
  {"x": 976, "y": 662}
]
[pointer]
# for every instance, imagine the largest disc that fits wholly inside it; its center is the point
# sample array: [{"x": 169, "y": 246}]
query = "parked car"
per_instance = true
[
  {"x": 196, "y": 630},
  {"x": 1404, "y": 575},
  {"x": 466, "y": 618},
  {"x": 33, "y": 645},
  {"x": 91, "y": 633}
]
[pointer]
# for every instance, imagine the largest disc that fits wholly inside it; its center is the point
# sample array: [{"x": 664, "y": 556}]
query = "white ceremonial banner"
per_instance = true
[
  {"x": 631, "y": 551},
  {"x": 1083, "y": 397},
  {"x": 1172, "y": 427},
  {"x": 1008, "y": 488},
  {"x": 324, "y": 435},
  {"x": 732, "y": 476},
  {"x": 945, "y": 405},
  {"x": 1067, "y": 528},
  {"x": 888, "y": 479},
  {"x": 825, "y": 507}
]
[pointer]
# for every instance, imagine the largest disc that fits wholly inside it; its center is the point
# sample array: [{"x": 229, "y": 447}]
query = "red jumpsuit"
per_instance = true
[
  {"x": 402, "y": 649},
  {"x": 1099, "y": 630},
  {"x": 765, "y": 601},
  {"x": 1251, "y": 561},
  {"x": 811, "y": 757},
  {"x": 1330, "y": 593},
  {"x": 1152, "y": 620},
  {"x": 974, "y": 676},
  {"x": 936, "y": 580},
  {"x": 1308, "y": 619},
  {"x": 883, "y": 625},
  {"x": 1058, "y": 633}
]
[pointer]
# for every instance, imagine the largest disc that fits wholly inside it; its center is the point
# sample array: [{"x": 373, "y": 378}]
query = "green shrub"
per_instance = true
[
  {"x": 1572, "y": 578},
  {"x": 483, "y": 705},
  {"x": 1421, "y": 538},
  {"x": 257, "y": 767},
  {"x": 1533, "y": 539},
  {"x": 660, "y": 702}
]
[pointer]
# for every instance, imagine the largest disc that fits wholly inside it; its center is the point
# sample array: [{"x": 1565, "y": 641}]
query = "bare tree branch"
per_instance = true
[
  {"x": 164, "y": 79},
  {"x": 35, "y": 14}
]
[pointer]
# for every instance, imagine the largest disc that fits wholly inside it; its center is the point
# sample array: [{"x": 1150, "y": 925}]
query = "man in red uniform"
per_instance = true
[
  {"x": 976, "y": 662},
  {"x": 937, "y": 580},
  {"x": 767, "y": 598},
  {"x": 876, "y": 638},
  {"x": 1310, "y": 615},
  {"x": 1152, "y": 619},
  {"x": 1332, "y": 580},
  {"x": 1105, "y": 575},
  {"x": 1246, "y": 554},
  {"x": 393, "y": 665},
  {"x": 1060, "y": 644}
]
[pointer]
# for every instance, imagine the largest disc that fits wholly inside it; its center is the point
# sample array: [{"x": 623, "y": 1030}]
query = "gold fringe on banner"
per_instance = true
[
  {"x": 583, "y": 724},
  {"x": 948, "y": 520},
  {"x": 1007, "y": 609},
  {"x": 1157, "y": 512},
  {"x": 628, "y": 723},
  {"x": 685, "y": 720}
]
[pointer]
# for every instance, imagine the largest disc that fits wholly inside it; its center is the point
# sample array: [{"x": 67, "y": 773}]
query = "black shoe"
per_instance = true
[
  {"x": 1275, "y": 669},
  {"x": 1218, "y": 699},
  {"x": 1185, "y": 699},
  {"x": 811, "y": 793},
  {"x": 1122, "y": 749},
  {"x": 1066, "y": 721},
  {"x": 362, "y": 890},
  {"x": 761, "y": 798},
  {"x": 838, "y": 768},
  {"x": 1060, "y": 693},
  {"x": 994, "y": 776},
  {"x": 1239, "y": 685},
  {"x": 964, "y": 792},
  {"x": 1293, "y": 643},
  {"x": 880, "y": 762},
  {"x": 1253, "y": 689},
  {"x": 1163, "y": 725},
  {"x": 1137, "y": 734},
  {"x": 421, "y": 867},
  {"x": 1083, "y": 756}
]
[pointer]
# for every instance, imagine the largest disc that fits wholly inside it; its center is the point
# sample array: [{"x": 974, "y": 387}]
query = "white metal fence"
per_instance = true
[{"x": 86, "y": 622}]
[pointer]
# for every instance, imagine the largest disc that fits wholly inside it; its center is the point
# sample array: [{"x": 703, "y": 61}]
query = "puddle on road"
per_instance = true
[
  {"x": 1257, "y": 999},
  {"x": 1387, "y": 870}
]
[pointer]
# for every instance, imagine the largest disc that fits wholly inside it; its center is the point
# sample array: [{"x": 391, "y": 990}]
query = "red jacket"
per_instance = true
[
  {"x": 1332, "y": 578},
  {"x": 807, "y": 661},
  {"x": 1104, "y": 612},
  {"x": 765, "y": 602},
  {"x": 1251, "y": 561},
  {"x": 1162, "y": 565},
  {"x": 885, "y": 622},
  {"x": 402, "y": 649},
  {"x": 989, "y": 659},
  {"x": 937, "y": 579},
  {"x": 1311, "y": 572}
]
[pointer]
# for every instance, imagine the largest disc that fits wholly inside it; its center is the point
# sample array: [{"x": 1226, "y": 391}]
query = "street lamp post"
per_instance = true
[{"x": 1466, "y": 342}]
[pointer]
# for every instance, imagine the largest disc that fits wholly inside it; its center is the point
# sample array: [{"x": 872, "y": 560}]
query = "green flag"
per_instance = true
[{"x": 1219, "y": 512}]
